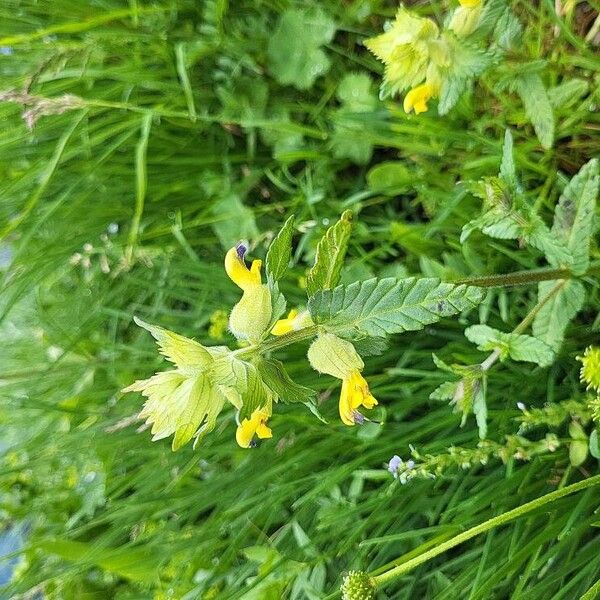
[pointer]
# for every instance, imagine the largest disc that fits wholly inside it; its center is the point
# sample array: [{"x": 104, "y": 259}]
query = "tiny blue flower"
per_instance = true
[{"x": 394, "y": 465}]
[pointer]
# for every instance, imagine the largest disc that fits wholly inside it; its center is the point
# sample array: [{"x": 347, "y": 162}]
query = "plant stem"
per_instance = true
[
  {"x": 502, "y": 519},
  {"x": 522, "y": 277}
]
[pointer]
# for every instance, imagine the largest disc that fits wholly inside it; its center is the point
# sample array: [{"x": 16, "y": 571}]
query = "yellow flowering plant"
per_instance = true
[{"x": 340, "y": 319}]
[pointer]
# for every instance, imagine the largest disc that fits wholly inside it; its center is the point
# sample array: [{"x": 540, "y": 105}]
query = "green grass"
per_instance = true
[{"x": 185, "y": 142}]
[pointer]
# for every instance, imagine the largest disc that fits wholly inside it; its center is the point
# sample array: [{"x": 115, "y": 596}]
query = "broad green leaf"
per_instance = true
[
  {"x": 329, "y": 258},
  {"x": 568, "y": 92},
  {"x": 517, "y": 346},
  {"x": 378, "y": 307},
  {"x": 278, "y": 304},
  {"x": 552, "y": 319},
  {"x": 531, "y": 89},
  {"x": 276, "y": 377},
  {"x": 257, "y": 394},
  {"x": 575, "y": 214},
  {"x": 280, "y": 251},
  {"x": 294, "y": 53}
]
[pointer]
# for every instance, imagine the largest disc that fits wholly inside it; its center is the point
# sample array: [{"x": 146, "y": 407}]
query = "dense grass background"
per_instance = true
[{"x": 183, "y": 139}]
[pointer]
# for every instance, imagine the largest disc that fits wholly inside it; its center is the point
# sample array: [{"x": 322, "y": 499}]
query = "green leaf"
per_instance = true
[
  {"x": 552, "y": 319},
  {"x": 276, "y": 377},
  {"x": 480, "y": 405},
  {"x": 508, "y": 172},
  {"x": 575, "y": 214},
  {"x": 568, "y": 92},
  {"x": 519, "y": 347},
  {"x": 444, "y": 391},
  {"x": 390, "y": 178},
  {"x": 329, "y": 258},
  {"x": 594, "y": 444},
  {"x": 280, "y": 251},
  {"x": 465, "y": 61},
  {"x": 537, "y": 106},
  {"x": 278, "y": 304},
  {"x": 256, "y": 394},
  {"x": 294, "y": 53},
  {"x": 377, "y": 307},
  {"x": 233, "y": 221}
]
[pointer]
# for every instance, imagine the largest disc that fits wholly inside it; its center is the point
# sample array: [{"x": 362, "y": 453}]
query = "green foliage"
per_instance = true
[
  {"x": 377, "y": 307},
  {"x": 329, "y": 258},
  {"x": 516, "y": 346},
  {"x": 574, "y": 216},
  {"x": 295, "y": 54},
  {"x": 530, "y": 88},
  {"x": 558, "y": 310},
  {"x": 141, "y": 141},
  {"x": 280, "y": 251}
]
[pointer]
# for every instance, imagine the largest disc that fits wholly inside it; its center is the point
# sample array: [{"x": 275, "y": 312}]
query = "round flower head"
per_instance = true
[
  {"x": 590, "y": 368},
  {"x": 358, "y": 585}
]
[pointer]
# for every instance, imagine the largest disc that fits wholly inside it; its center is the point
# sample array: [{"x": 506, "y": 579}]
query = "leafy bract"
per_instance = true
[
  {"x": 330, "y": 255},
  {"x": 277, "y": 379},
  {"x": 377, "y": 307}
]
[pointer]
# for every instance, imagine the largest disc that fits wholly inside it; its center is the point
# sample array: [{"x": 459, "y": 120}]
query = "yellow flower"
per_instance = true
[
  {"x": 418, "y": 97},
  {"x": 405, "y": 50},
  {"x": 470, "y": 3},
  {"x": 355, "y": 393},
  {"x": 337, "y": 357},
  {"x": 590, "y": 367},
  {"x": 256, "y": 425},
  {"x": 251, "y": 316},
  {"x": 295, "y": 321}
]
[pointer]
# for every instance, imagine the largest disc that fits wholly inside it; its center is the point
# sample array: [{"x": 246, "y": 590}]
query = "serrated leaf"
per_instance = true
[
  {"x": 444, "y": 391},
  {"x": 574, "y": 216},
  {"x": 371, "y": 346},
  {"x": 278, "y": 304},
  {"x": 530, "y": 88},
  {"x": 519, "y": 347},
  {"x": 552, "y": 319},
  {"x": 182, "y": 351},
  {"x": 295, "y": 55},
  {"x": 256, "y": 395},
  {"x": 330, "y": 255},
  {"x": 276, "y": 377},
  {"x": 465, "y": 61},
  {"x": 280, "y": 251},
  {"x": 377, "y": 307}
]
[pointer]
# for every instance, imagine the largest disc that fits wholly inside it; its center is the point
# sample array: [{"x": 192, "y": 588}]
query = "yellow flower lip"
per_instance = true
[
  {"x": 418, "y": 97},
  {"x": 470, "y": 3},
  {"x": 256, "y": 425},
  {"x": 238, "y": 272},
  {"x": 354, "y": 394}
]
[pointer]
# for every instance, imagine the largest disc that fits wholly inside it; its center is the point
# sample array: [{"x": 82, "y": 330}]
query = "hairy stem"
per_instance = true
[{"x": 522, "y": 277}]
